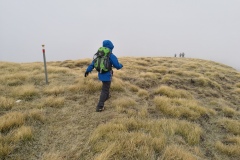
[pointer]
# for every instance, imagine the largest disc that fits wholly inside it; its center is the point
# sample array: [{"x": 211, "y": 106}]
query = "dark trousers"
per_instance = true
[{"x": 104, "y": 94}]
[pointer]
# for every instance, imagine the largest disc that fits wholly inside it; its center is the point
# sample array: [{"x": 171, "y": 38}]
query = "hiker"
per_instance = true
[
  {"x": 183, "y": 54},
  {"x": 180, "y": 55},
  {"x": 105, "y": 77},
  {"x": 175, "y": 55}
]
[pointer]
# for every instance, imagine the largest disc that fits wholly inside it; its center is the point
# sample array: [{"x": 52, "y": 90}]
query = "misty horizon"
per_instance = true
[{"x": 74, "y": 30}]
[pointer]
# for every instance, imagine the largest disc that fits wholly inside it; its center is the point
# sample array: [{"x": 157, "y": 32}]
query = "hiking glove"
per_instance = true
[{"x": 86, "y": 74}]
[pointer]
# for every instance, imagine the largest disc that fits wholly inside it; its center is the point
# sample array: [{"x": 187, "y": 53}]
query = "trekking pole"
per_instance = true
[{"x": 45, "y": 65}]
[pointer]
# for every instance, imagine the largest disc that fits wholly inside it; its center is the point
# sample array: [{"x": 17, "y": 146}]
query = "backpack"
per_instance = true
[{"x": 102, "y": 60}]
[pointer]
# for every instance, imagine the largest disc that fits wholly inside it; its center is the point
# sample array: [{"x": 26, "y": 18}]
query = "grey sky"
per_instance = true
[{"x": 74, "y": 29}]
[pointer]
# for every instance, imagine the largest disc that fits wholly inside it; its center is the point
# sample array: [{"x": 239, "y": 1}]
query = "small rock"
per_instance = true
[{"x": 18, "y": 101}]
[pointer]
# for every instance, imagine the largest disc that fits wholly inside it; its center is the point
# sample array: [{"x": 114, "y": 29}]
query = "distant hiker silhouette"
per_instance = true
[
  {"x": 183, "y": 54},
  {"x": 104, "y": 56},
  {"x": 180, "y": 55}
]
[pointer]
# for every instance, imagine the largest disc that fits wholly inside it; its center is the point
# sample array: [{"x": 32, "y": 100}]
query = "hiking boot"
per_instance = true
[{"x": 99, "y": 109}]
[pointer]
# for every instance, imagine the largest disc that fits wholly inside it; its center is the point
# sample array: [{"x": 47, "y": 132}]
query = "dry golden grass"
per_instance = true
[
  {"x": 53, "y": 101},
  {"x": 15, "y": 79},
  {"x": 26, "y": 92},
  {"x": 134, "y": 138},
  {"x": 124, "y": 103},
  {"x": 158, "y": 69},
  {"x": 36, "y": 114},
  {"x": 148, "y": 75},
  {"x": 5, "y": 147},
  {"x": 230, "y": 146},
  {"x": 172, "y": 93},
  {"x": 54, "y": 90},
  {"x": 189, "y": 109},
  {"x": 229, "y": 112},
  {"x": 58, "y": 121},
  {"x": 117, "y": 85},
  {"x": 129, "y": 145},
  {"x": 133, "y": 88},
  {"x": 238, "y": 85},
  {"x": 231, "y": 125},
  {"x": 53, "y": 69},
  {"x": 237, "y": 91},
  {"x": 52, "y": 156},
  {"x": 86, "y": 85},
  {"x": 6, "y": 103},
  {"x": 174, "y": 152},
  {"x": 143, "y": 93},
  {"x": 11, "y": 119},
  {"x": 22, "y": 134}
]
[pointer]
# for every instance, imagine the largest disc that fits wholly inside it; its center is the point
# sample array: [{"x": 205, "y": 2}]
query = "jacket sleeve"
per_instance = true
[
  {"x": 115, "y": 62},
  {"x": 90, "y": 67}
]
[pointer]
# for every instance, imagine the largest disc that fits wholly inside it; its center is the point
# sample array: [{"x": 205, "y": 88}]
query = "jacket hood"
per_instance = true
[{"x": 108, "y": 44}]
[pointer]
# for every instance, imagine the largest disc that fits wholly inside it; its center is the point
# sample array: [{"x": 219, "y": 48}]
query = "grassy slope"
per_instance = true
[{"x": 161, "y": 108}]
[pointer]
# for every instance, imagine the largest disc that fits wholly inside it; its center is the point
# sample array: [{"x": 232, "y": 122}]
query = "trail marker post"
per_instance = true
[{"x": 45, "y": 64}]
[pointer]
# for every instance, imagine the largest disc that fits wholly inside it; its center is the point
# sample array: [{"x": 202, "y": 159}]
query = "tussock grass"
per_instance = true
[
  {"x": 189, "y": 109},
  {"x": 119, "y": 74},
  {"x": 124, "y": 103},
  {"x": 205, "y": 82},
  {"x": 38, "y": 79},
  {"x": 68, "y": 64},
  {"x": 187, "y": 74},
  {"x": 133, "y": 88},
  {"x": 52, "y": 156},
  {"x": 53, "y": 69},
  {"x": 54, "y": 102},
  {"x": 5, "y": 147},
  {"x": 86, "y": 85},
  {"x": 230, "y": 146},
  {"x": 132, "y": 138},
  {"x": 142, "y": 63},
  {"x": 143, "y": 113},
  {"x": 54, "y": 90},
  {"x": 158, "y": 69},
  {"x": 171, "y": 79},
  {"x": 148, "y": 75},
  {"x": 229, "y": 112},
  {"x": 82, "y": 62},
  {"x": 9, "y": 67},
  {"x": 10, "y": 120},
  {"x": 129, "y": 145},
  {"x": 6, "y": 103},
  {"x": 174, "y": 152},
  {"x": 237, "y": 91},
  {"x": 192, "y": 65},
  {"x": 172, "y": 93},
  {"x": 143, "y": 93},
  {"x": 238, "y": 85},
  {"x": 231, "y": 125},
  {"x": 26, "y": 92},
  {"x": 36, "y": 114},
  {"x": 136, "y": 127},
  {"x": 201, "y": 81},
  {"x": 23, "y": 133},
  {"x": 15, "y": 79},
  {"x": 117, "y": 85}
]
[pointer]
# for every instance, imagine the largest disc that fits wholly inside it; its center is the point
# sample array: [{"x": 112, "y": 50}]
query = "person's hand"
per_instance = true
[{"x": 86, "y": 74}]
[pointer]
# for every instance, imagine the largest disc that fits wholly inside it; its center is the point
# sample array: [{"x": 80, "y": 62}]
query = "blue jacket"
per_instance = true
[{"x": 113, "y": 60}]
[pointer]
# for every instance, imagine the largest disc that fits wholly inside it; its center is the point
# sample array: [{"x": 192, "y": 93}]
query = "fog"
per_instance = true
[{"x": 75, "y": 29}]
